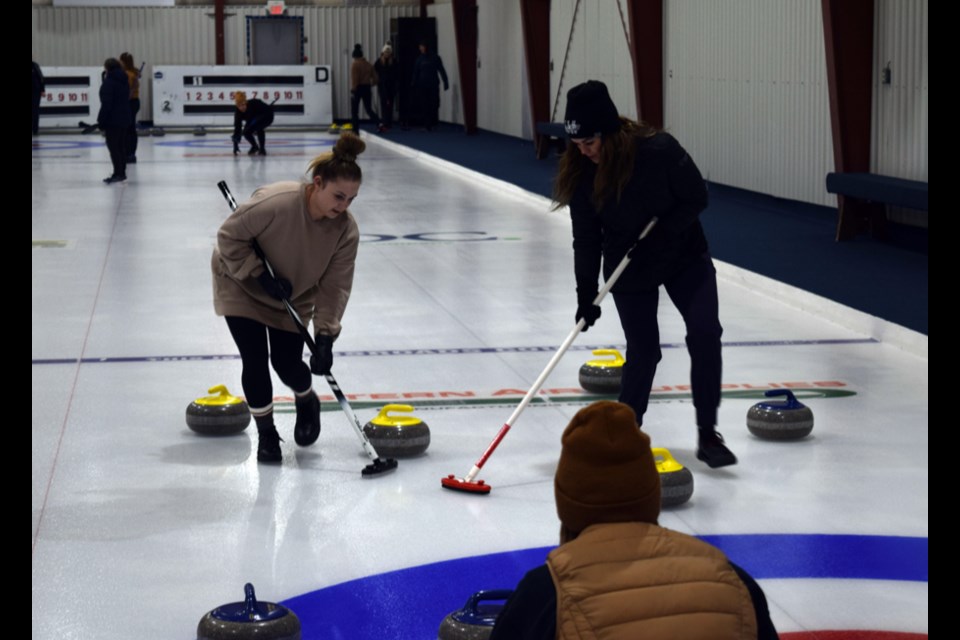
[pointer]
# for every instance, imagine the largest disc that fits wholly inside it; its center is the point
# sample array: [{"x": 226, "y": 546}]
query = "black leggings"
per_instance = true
[
  {"x": 694, "y": 293},
  {"x": 285, "y": 353}
]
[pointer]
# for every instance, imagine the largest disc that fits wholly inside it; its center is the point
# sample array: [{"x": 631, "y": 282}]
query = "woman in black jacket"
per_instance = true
[
  {"x": 114, "y": 116},
  {"x": 616, "y": 176}
]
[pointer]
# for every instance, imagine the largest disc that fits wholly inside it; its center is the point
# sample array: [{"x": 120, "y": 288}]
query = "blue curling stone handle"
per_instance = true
[
  {"x": 791, "y": 402},
  {"x": 249, "y": 610},
  {"x": 474, "y": 613}
]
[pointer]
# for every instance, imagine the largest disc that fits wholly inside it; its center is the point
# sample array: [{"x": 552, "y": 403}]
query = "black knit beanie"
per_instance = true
[
  {"x": 590, "y": 111},
  {"x": 357, "y": 51}
]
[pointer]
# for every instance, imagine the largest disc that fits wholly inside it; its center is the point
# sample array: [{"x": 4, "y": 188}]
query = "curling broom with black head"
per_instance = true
[
  {"x": 377, "y": 465},
  {"x": 468, "y": 484}
]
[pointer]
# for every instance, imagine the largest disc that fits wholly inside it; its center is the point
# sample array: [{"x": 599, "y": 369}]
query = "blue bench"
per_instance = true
[
  {"x": 863, "y": 197},
  {"x": 549, "y": 134}
]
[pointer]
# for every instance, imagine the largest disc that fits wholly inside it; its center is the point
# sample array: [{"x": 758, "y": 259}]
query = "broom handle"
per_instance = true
[{"x": 556, "y": 357}]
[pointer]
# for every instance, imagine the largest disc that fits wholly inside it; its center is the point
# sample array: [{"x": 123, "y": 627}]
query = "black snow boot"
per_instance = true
[
  {"x": 307, "y": 429},
  {"x": 713, "y": 451},
  {"x": 268, "y": 440}
]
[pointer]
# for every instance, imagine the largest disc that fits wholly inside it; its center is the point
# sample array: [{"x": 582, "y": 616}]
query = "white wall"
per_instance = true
[
  {"x": 589, "y": 42},
  {"x": 746, "y": 92}
]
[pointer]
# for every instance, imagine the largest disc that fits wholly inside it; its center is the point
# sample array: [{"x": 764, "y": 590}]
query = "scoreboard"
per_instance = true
[{"x": 193, "y": 96}]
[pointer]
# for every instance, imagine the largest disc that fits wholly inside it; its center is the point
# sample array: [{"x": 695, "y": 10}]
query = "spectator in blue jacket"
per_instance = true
[{"x": 427, "y": 72}]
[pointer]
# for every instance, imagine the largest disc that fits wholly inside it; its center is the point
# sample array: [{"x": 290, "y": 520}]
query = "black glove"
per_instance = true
[
  {"x": 278, "y": 288},
  {"x": 587, "y": 310},
  {"x": 236, "y": 144},
  {"x": 322, "y": 360}
]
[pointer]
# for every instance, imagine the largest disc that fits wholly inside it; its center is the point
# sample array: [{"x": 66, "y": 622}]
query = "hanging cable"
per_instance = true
[{"x": 566, "y": 54}]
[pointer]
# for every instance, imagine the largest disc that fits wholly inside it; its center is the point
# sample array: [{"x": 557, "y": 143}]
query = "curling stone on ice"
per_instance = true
[
  {"x": 676, "y": 481},
  {"x": 787, "y": 420},
  {"x": 397, "y": 436},
  {"x": 475, "y": 620},
  {"x": 220, "y": 414},
  {"x": 249, "y": 620},
  {"x": 602, "y": 376}
]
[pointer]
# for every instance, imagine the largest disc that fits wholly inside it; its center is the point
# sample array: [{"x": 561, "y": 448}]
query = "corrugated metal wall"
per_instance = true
[
  {"x": 186, "y": 35},
  {"x": 746, "y": 93},
  {"x": 500, "y": 78},
  {"x": 591, "y": 37},
  {"x": 901, "y": 108}
]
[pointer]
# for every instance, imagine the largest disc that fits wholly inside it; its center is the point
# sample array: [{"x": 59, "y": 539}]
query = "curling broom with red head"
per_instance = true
[{"x": 468, "y": 484}]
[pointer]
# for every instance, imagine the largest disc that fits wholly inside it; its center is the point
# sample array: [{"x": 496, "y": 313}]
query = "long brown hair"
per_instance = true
[
  {"x": 613, "y": 171},
  {"x": 126, "y": 59},
  {"x": 341, "y": 163}
]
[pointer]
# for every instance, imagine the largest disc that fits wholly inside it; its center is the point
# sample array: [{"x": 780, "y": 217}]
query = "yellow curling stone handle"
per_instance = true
[
  {"x": 616, "y": 362},
  {"x": 665, "y": 461},
  {"x": 384, "y": 420},
  {"x": 222, "y": 397}
]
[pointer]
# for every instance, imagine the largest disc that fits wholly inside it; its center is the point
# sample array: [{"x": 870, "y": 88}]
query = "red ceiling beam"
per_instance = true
[{"x": 465, "y": 30}]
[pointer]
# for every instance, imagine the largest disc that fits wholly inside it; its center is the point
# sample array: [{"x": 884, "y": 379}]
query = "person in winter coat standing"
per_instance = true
[
  {"x": 428, "y": 71},
  {"x": 388, "y": 76},
  {"x": 362, "y": 79},
  {"x": 618, "y": 175},
  {"x": 133, "y": 77},
  {"x": 114, "y": 116}
]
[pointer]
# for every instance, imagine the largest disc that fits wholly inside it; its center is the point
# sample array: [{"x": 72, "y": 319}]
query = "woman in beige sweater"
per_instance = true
[{"x": 310, "y": 238}]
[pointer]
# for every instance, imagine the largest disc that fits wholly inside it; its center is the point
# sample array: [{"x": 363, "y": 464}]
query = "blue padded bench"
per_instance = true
[
  {"x": 549, "y": 133},
  {"x": 863, "y": 197}
]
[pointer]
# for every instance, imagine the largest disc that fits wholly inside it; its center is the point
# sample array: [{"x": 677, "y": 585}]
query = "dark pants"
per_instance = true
[
  {"x": 694, "y": 293},
  {"x": 429, "y": 103},
  {"x": 260, "y": 346},
  {"x": 117, "y": 146},
  {"x": 257, "y": 127},
  {"x": 386, "y": 108},
  {"x": 362, "y": 94},
  {"x": 132, "y": 130}
]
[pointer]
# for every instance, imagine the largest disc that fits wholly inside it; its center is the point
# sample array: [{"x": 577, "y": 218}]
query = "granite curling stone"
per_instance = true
[
  {"x": 676, "y": 481},
  {"x": 397, "y": 436},
  {"x": 249, "y": 620},
  {"x": 220, "y": 414},
  {"x": 787, "y": 420},
  {"x": 476, "y": 619},
  {"x": 603, "y": 376}
]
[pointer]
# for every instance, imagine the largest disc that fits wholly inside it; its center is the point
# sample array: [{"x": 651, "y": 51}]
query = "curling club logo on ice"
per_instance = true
[{"x": 572, "y": 127}]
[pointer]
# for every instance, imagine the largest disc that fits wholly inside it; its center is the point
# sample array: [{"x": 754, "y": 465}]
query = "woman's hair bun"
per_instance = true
[{"x": 348, "y": 147}]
